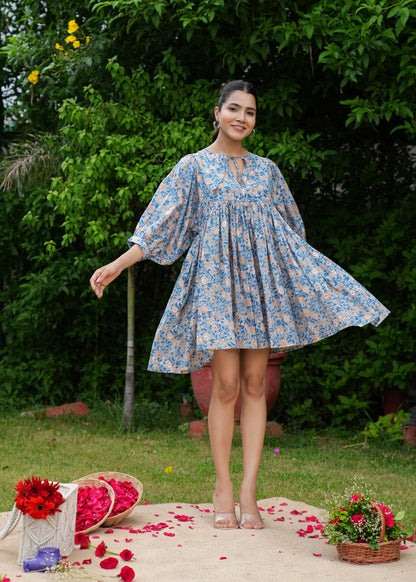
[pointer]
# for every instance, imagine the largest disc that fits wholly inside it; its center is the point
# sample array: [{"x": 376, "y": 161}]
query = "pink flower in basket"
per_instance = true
[{"x": 358, "y": 519}]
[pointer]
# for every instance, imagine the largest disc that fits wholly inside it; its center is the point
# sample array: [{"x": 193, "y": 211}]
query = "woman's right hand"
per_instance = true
[{"x": 103, "y": 277}]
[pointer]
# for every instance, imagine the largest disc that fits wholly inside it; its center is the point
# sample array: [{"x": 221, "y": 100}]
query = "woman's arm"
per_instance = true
[{"x": 106, "y": 274}]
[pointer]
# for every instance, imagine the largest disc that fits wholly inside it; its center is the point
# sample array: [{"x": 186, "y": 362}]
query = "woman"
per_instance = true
[{"x": 250, "y": 284}]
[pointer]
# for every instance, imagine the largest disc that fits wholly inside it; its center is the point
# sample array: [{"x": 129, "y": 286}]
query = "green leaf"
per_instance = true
[{"x": 309, "y": 29}]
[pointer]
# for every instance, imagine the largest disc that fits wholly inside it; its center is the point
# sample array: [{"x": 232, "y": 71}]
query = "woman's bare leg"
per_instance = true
[
  {"x": 253, "y": 367},
  {"x": 225, "y": 367}
]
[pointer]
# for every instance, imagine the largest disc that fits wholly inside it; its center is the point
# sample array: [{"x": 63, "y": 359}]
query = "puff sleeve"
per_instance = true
[
  {"x": 169, "y": 224},
  {"x": 285, "y": 202}
]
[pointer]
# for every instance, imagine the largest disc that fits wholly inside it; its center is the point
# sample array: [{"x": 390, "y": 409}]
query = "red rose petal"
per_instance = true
[{"x": 92, "y": 506}]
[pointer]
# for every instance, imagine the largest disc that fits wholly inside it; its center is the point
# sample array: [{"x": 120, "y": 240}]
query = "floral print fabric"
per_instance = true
[{"x": 249, "y": 279}]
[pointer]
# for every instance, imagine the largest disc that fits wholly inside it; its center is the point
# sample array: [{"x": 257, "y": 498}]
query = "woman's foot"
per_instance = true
[
  {"x": 249, "y": 514},
  {"x": 251, "y": 521},
  {"x": 224, "y": 519}
]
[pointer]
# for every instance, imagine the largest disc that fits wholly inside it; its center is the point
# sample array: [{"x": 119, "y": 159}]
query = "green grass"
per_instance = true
[{"x": 310, "y": 468}]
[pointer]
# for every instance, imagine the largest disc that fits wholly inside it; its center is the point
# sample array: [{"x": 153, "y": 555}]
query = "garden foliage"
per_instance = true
[{"x": 120, "y": 102}]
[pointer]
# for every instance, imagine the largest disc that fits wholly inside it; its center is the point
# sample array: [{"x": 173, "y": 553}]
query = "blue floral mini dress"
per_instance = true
[{"x": 249, "y": 279}]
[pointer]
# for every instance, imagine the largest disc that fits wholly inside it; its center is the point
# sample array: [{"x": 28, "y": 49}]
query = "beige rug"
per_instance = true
[{"x": 177, "y": 542}]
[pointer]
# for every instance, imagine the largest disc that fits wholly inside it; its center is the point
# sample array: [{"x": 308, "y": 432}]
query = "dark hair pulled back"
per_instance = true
[{"x": 226, "y": 91}]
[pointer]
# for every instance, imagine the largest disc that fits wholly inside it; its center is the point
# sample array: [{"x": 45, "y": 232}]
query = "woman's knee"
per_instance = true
[
  {"x": 226, "y": 389},
  {"x": 253, "y": 386}
]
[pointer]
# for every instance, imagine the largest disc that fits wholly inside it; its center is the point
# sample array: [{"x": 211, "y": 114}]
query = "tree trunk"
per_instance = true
[{"x": 129, "y": 382}]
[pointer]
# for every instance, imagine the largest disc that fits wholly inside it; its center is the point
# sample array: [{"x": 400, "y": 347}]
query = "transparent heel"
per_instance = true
[
  {"x": 251, "y": 521},
  {"x": 225, "y": 520}
]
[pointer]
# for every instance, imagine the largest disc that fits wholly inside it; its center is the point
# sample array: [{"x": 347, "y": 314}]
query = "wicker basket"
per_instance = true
[
  {"x": 362, "y": 553},
  {"x": 115, "y": 519},
  {"x": 93, "y": 482}
]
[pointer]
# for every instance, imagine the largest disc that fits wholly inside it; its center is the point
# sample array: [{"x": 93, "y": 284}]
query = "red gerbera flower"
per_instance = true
[
  {"x": 39, "y": 508},
  {"x": 50, "y": 490},
  {"x": 36, "y": 489},
  {"x": 23, "y": 492}
]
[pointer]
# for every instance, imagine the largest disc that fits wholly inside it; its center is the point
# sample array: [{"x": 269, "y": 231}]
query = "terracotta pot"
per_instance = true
[
  {"x": 409, "y": 435},
  {"x": 202, "y": 385}
]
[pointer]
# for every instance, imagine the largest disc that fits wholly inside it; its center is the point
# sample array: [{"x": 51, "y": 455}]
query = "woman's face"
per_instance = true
[{"x": 237, "y": 116}]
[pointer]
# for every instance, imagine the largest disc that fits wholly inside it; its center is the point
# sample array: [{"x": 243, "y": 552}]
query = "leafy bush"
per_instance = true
[
  {"x": 388, "y": 426},
  {"x": 336, "y": 87}
]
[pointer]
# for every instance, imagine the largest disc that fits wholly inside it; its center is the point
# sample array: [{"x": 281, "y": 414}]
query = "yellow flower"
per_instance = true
[
  {"x": 70, "y": 38},
  {"x": 76, "y": 43},
  {"x": 34, "y": 77},
  {"x": 72, "y": 26},
  {"x": 59, "y": 47},
  {"x": 169, "y": 469},
  {"x": 88, "y": 39}
]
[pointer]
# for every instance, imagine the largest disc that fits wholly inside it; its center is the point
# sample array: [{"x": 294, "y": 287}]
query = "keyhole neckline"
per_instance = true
[{"x": 229, "y": 155}]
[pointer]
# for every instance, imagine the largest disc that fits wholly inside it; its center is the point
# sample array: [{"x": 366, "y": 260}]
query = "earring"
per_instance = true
[
  {"x": 215, "y": 124},
  {"x": 253, "y": 131}
]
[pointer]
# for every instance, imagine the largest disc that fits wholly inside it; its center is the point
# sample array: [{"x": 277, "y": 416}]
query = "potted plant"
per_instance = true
[{"x": 409, "y": 429}]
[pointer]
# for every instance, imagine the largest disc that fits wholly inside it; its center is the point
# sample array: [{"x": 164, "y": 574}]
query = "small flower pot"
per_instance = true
[{"x": 409, "y": 435}]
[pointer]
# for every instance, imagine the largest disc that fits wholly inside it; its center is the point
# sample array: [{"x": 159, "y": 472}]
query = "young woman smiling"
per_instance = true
[{"x": 250, "y": 284}]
